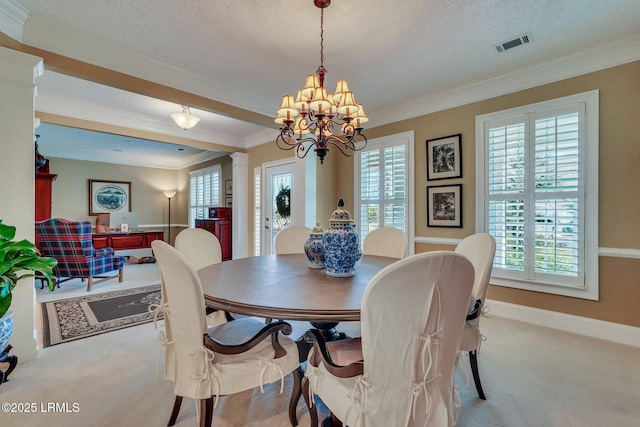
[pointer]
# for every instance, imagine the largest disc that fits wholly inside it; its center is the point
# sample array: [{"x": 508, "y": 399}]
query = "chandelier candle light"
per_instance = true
[{"x": 312, "y": 115}]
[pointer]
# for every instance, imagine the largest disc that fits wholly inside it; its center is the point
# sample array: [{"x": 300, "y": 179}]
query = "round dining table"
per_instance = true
[{"x": 284, "y": 287}]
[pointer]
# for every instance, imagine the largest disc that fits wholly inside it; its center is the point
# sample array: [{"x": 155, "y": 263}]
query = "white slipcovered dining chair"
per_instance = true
[
  {"x": 385, "y": 241},
  {"x": 199, "y": 246},
  {"x": 401, "y": 371},
  {"x": 202, "y": 248},
  {"x": 480, "y": 249},
  {"x": 206, "y": 363},
  {"x": 291, "y": 240}
]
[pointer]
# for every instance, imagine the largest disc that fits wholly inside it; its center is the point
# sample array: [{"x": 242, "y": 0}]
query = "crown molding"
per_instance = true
[
  {"x": 12, "y": 19},
  {"x": 261, "y": 137},
  {"x": 118, "y": 159},
  {"x": 593, "y": 59}
]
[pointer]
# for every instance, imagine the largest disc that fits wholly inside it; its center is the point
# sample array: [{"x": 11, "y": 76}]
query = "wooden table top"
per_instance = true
[{"x": 283, "y": 287}]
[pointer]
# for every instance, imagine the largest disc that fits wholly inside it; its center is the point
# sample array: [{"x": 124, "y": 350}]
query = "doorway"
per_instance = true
[{"x": 278, "y": 211}]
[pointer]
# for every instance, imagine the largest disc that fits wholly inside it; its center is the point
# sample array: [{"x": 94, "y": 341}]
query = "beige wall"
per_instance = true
[
  {"x": 70, "y": 195},
  {"x": 619, "y": 179}
]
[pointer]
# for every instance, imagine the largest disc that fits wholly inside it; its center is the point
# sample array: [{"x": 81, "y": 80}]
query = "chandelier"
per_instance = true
[{"x": 314, "y": 117}]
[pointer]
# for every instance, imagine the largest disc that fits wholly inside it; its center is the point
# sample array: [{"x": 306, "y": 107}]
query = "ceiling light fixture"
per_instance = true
[
  {"x": 319, "y": 113},
  {"x": 185, "y": 119}
]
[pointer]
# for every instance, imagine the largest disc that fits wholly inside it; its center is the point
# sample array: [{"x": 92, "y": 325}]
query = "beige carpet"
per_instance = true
[{"x": 532, "y": 377}]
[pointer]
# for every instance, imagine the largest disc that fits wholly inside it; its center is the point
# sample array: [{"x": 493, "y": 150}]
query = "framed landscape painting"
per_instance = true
[
  {"x": 109, "y": 196},
  {"x": 444, "y": 158},
  {"x": 444, "y": 206}
]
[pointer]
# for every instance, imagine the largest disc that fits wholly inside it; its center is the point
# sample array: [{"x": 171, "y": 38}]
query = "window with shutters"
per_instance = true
[
  {"x": 537, "y": 193},
  {"x": 384, "y": 186},
  {"x": 204, "y": 192}
]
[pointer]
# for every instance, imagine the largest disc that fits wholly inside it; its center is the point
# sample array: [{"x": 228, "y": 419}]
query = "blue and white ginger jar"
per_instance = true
[
  {"x": 314, "y": 247},
  {"x": 341, "y": 244}
]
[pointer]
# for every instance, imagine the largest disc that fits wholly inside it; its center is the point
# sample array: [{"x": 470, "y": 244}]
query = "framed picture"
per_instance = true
[
  {"x": 109, "y": 196},
  {"x": 444, "y": 206},
  {"x": 444, "y": 159},
  {"x": 228, "y": 201},
  {"x": 228, "y": 186}
]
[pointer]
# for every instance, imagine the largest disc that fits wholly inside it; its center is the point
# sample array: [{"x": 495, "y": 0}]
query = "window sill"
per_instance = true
[{"x": 590, "y": 292}]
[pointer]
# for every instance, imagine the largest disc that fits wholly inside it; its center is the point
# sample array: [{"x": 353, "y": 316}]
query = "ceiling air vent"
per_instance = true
[{"x": 518, "y": 41}]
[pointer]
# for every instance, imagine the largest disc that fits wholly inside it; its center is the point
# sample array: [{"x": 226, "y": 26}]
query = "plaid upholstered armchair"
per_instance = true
[{"x": 70, "y": 243}]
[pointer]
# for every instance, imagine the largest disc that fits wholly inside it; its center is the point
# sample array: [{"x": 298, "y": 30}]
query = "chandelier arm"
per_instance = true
[
  {"x": 340, "y": 145},
  {"x": 305, "y": 150},
  {"x": 286, "y": 135}
]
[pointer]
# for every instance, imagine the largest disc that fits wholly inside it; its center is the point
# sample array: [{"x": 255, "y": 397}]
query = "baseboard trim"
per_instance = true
[{"x": 616, "y": 332}]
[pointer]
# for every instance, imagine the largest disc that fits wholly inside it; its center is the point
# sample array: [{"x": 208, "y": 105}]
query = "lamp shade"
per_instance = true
[
  {"x": 185, "y": 119},
  {"x": 169, "y": 193}
]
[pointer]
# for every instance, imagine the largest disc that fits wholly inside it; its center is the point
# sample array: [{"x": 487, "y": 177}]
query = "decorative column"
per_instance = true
[
  {"x": 17, "y": 178},
  {"x": 240, "y": 206}
]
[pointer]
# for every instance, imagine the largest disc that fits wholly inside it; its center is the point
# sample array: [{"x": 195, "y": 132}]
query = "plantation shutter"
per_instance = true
[
  {"x": 383, "y": 188},
  {"x": 534, "y": 187},
  {"x": 204, "y": 192}
]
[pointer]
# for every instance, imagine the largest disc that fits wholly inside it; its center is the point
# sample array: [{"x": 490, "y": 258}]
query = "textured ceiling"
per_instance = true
[{"x": 398, "y": 57}]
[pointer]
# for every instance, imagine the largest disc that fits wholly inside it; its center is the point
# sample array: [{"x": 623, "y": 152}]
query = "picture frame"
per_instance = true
[
  {"x": 228, "y": 187},
  {"x": 444, "y": 157},
  {"x": 109, "y": 196},
  {"x": 444, "y": 206},
  {"x": 228, "y": 201}
]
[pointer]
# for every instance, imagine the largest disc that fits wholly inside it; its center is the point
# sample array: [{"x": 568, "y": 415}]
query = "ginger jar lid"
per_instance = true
[
  {"x": 317, "y": 231},
  {"x": 340, "y": 215}
]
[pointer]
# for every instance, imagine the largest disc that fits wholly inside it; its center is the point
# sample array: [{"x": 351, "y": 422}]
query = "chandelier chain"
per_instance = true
[{"x": 322, "y": 38}]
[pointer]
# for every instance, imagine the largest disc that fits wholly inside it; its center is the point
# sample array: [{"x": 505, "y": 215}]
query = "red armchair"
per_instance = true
[{"x": 70, "y": 243}]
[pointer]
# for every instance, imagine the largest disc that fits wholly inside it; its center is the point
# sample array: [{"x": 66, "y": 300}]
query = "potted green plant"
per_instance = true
[{"x": 18, "y": 260}]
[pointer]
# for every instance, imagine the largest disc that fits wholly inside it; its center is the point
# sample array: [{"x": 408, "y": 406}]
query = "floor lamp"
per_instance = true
[{"x": 169, "y": 194}]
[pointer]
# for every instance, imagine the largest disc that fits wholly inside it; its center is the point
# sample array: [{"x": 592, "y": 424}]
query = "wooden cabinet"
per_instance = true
[
  {"x": 221, "y": 228},
  {"x": 44, "y": 183},
  {"x": 125, "y": 241}
]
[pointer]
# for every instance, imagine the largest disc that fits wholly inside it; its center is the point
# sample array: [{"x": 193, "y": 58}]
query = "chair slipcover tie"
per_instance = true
[
  {"x": 457, "y": 405},
  {"x": 156, "y": 309},
  {"x": 206, "y": 372},
  {"x": 416, "y": 389},
  {"x": 427, "y": 341},
  {"x": 313, "y": 373},
  {"x": 270, "y": 364},
  {"x": 360, "y": 387}
]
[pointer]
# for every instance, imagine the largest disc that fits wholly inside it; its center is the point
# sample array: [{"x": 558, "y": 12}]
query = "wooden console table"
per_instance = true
[{"x": 125, "y": 241}]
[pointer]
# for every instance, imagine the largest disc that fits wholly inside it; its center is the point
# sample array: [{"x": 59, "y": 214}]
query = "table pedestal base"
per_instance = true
[{"x": 328, "y": 331}]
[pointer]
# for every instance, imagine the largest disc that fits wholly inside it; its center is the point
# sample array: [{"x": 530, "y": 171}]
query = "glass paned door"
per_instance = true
[{"x": 277, "y": 207}]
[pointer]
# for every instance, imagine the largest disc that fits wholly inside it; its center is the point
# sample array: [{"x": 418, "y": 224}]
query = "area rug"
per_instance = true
[{"x": 75, "y": 318}]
